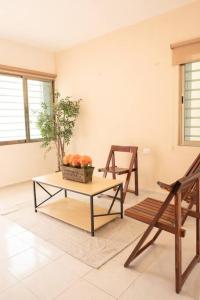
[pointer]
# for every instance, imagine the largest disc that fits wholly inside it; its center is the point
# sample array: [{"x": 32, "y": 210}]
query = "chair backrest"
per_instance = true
[
  {"x": 195, "y": 167},
  {"x": 116, "y": 148},
  {"x": 128, "y": 149}
]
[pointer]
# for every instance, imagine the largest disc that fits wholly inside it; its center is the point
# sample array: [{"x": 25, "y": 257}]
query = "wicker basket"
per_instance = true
[{"x": 83, "y": 175}]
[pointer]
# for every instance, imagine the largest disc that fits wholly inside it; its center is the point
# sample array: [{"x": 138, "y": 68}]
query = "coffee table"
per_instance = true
[{"x": 82, "y": 214}]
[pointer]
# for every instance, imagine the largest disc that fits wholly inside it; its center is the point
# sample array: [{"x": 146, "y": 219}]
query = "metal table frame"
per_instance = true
[{"x": 118, "y": 187}]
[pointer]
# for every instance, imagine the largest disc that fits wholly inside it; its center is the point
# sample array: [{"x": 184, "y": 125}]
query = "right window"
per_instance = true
[
  {"x": 38, "y": 92},
  {"x": 190, "y": 104}
]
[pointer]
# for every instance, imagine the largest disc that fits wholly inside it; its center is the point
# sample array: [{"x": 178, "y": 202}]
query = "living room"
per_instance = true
[{"x": 132, "y": 68}]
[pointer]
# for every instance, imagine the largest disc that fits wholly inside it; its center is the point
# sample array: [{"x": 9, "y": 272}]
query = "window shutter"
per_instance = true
[
  {"x": 191, "y": 101},
  {"x": 12, "y": 122},
  {"x": 38, "y": 92}
]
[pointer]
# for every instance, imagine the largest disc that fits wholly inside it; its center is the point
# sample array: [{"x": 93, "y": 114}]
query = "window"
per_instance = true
[
  {"x": 20, "y": 102},
  {"x": 190, "y": 104},
  {"x": 12, "y": 125},
  {"x": 38, "y": 92}
]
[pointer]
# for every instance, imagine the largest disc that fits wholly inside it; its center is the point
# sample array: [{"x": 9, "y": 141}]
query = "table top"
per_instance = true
[{"x": 97, "y": 186}]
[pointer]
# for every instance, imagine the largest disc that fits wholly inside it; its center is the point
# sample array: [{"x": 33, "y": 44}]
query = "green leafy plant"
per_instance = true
[{"x": 56, "y": 123}]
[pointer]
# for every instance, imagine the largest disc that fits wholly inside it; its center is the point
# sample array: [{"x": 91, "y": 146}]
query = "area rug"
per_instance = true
[{"x": 93, "y": 251}]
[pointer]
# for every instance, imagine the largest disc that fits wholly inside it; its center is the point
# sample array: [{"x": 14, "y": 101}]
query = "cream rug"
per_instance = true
[{"x": 93, "y": 251}]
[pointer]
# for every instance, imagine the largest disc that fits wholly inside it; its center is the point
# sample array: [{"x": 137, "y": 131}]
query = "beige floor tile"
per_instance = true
[
  {"x": 27, "y": 220},
  {"x": 6, "y": 279},
  {"x": 43, "y": 246},
  {"x": 9, "y": 229},
  {"x": 112, "y": 278},
  {"x": 53, "y": 279},
  {"x": 18, "y": 292},
  {"x": 75, "y": 265},
  {"x": 151, "y": 287},
  {"x": 26, "y": 217},
  {"x": 19, "y": 213},
  {"x": 11, "y": 246},
  {"x": 144, "y": 261},
  {"x": 25, "y": 263},
  {"x": 83, "y": 290}
]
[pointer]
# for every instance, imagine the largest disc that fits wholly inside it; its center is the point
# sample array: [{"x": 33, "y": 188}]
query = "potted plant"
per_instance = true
[
  {"x": 77, "y": 168},
  {"x": 56, "y": 122}
]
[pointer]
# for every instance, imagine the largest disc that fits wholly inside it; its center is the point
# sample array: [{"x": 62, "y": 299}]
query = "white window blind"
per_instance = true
[
  {"x": 12, "y": 121},
  {"x": 38, "y": 92},
  {"x": 191, "y": 101}
]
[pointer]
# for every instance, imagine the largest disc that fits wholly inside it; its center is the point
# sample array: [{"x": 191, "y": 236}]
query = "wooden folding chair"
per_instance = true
[
  {"x": 114, "y": 170},
  {"x": 169, "y": 217}
]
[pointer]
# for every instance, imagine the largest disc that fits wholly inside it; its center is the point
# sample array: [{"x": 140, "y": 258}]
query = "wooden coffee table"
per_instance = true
[{"x": 82, "y": 214}]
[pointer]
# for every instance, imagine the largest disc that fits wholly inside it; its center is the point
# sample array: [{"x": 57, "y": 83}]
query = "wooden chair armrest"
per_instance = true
[{"x": 164, "y": 186}]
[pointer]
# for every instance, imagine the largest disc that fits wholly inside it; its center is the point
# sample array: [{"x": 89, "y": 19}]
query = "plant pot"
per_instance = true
[{"x": 83, "y": 175}]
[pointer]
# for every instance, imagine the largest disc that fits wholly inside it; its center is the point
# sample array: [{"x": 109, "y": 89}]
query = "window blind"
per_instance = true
[
  {"x": 12, "y": 121},
  {"x": 191, "y": 101}
]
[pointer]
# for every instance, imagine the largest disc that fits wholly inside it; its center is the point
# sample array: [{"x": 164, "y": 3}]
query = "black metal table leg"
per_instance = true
[
  {"x": 92, "y": 215},
  {"x": 65, "y": 193},
  {"x": 121, "y": 200},
  {"x": 34, "y": 194}
]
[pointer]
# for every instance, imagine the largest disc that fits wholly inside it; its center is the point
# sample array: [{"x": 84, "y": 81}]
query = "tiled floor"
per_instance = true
[{"x": 32, "y": 268}]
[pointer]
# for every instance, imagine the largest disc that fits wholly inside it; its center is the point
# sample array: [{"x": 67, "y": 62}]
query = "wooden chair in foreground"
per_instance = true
[
  {"x": 114, "y": 170},
  {"x": 169, "y": 217}
]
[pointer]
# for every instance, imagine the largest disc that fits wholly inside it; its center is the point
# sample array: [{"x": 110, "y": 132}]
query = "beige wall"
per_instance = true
[
  {"x": 130, "y": 92},
  {"x": 22, "y": 162}
]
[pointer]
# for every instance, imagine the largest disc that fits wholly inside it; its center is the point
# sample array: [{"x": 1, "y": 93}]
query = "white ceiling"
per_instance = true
[{"x": 55, "y": 25}]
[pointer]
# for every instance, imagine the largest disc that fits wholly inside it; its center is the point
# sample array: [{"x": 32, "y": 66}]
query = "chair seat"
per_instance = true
[
  {"x": 146, "y": 210},
  {"x": 116, "y": 170}
]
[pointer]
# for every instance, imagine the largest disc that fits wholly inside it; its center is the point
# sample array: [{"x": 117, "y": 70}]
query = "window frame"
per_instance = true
[
  {"x": 25, "y": 78},
  {"x": 181, "y": 139}
]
